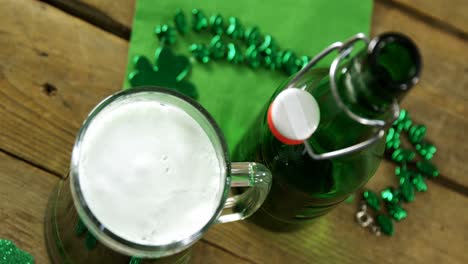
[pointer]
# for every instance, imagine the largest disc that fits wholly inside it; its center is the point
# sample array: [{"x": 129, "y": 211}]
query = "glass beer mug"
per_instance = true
[{"x": 149, "y": 175}]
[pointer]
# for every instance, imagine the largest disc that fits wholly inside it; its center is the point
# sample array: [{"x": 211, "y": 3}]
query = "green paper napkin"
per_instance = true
[{"x": 235, "y": 94}]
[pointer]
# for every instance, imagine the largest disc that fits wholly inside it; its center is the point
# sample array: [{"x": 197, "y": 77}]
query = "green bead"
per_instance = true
[
  {"x": 166, "y": 34},
  {"x": 390, "y": 195},
  {"x": 268, "y": 52},
  {"x": 268, "y": 61},
  {"x": 234, "y": 28},
  {"x": 217, "y": 24},
  {"x": 200, "y": 52},
  {"x": 199, "y": 20},
  {"x": 426, "y": 150},
  {"x": 217, "y": 48},
  {"x": 394, "y": 144},
  {"x": 234, "y": 53},
  {"x": 90, "y": 241},
  {"x": 403, "y": 155},
  {"x": 392, "y": 140},
  {"x": 80, "y": 228},
  {"x": 386, "y": 224},
  {"x": 406, "y": 124},
  {"x": 252, "y": 57},
  {"x": 398, "y": 171},
  {"x": 372, "y": 199},
  {"x": 403, "y": 121},
  {"x": 402, "y": 172},
  {"x": 275, "y": 61},
  {"x": 286, "y": 56},
  {"x": 298, "y": 64},
  {"x": 402, "y": 116},
  {"x": 180, "y": 22},
  {"x": 390, "y": 135},
  {"x": 399, "y": 126},
  {"x": 416, "y": 133},
  {"x": 268, "y": 43},
  {"x": 278, "y": 60},
  {"x": 419, "y": 183},
  {"x": 304, "y": 61},
  {"x": 427, "y": 168},
  {"x": 289, "y": 64},
  {"x": 252, "y": 36},
  {"x": 406, "y": 188},
  {"x": 396, "y": 211}
]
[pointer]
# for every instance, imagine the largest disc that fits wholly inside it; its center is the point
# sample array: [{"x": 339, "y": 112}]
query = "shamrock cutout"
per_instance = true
[{"x": 169, "y": 71}]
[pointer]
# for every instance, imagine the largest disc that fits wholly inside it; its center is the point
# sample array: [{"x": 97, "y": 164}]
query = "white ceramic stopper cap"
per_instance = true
[{"x": 293, "y": 116}]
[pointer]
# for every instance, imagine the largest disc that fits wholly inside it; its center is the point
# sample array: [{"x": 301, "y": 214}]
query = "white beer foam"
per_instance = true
[{"x": 149, "y": 173}]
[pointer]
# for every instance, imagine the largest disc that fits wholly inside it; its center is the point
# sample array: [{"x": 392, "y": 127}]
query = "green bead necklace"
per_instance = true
[{"x": 410, "y": 174}]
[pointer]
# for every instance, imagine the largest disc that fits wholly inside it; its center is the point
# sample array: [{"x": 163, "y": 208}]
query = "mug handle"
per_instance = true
[{"x": 246, "y": 174}]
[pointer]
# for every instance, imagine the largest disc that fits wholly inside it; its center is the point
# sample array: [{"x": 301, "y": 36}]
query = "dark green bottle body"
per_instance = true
[
  {"x": 369, "y": 85},
  {"x": 304, "y": 188}
]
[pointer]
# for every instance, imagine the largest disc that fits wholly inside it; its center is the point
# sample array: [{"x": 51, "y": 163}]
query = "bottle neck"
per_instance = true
[
  {"x": 358, "y": 88},
  {"x": 381, "y": 74}
]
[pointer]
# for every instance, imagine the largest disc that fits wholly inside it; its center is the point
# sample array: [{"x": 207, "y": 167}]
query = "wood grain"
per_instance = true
[
  {"x": 24, "y": 192},
  {"x": 434, "y": 232},
  {"x": 54, "y": 69},
  {"x": 453, "y": 13}
]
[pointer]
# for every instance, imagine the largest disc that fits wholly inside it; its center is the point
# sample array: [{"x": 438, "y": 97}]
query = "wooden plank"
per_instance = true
[
  {"x": 206, "y": 253},
  {"x": 435, "y": 218},
  {"x": 453, "y": 13},
  {"x": 439, "y": 101},
  {"x": 24, "y": 192},
  {"x": 54, "y": 69}
]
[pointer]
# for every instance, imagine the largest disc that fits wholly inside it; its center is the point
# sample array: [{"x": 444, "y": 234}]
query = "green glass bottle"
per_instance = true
[{"x": 369, "y": 85}]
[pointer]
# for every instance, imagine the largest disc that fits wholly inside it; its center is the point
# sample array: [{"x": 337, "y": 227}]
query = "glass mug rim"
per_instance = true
[{"x": 113, "y": 240}]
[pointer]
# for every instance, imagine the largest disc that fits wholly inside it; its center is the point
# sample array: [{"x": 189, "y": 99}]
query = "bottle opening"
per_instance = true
[{"x": 396, "y": 60}]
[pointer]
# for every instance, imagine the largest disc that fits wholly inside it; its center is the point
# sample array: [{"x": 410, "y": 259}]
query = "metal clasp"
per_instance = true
[{"x": 344, "y": 49}]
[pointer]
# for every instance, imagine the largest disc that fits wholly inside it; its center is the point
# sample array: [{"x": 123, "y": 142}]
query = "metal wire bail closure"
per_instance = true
[{"x": 344, "y": 50}]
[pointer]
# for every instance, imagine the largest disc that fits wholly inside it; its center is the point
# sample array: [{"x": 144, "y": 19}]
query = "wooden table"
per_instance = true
[{"x": 59, "y": 58}]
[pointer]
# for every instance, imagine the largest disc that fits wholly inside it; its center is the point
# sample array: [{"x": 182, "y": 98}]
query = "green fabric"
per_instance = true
[{"x": 235, "y": 94}]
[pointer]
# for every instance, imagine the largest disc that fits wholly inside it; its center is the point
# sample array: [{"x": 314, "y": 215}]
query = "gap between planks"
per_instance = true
[
  {"x": 425, "y": 18},
  {"x": 93, "y": 16},
  {"x": 33, "y": 164}
]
